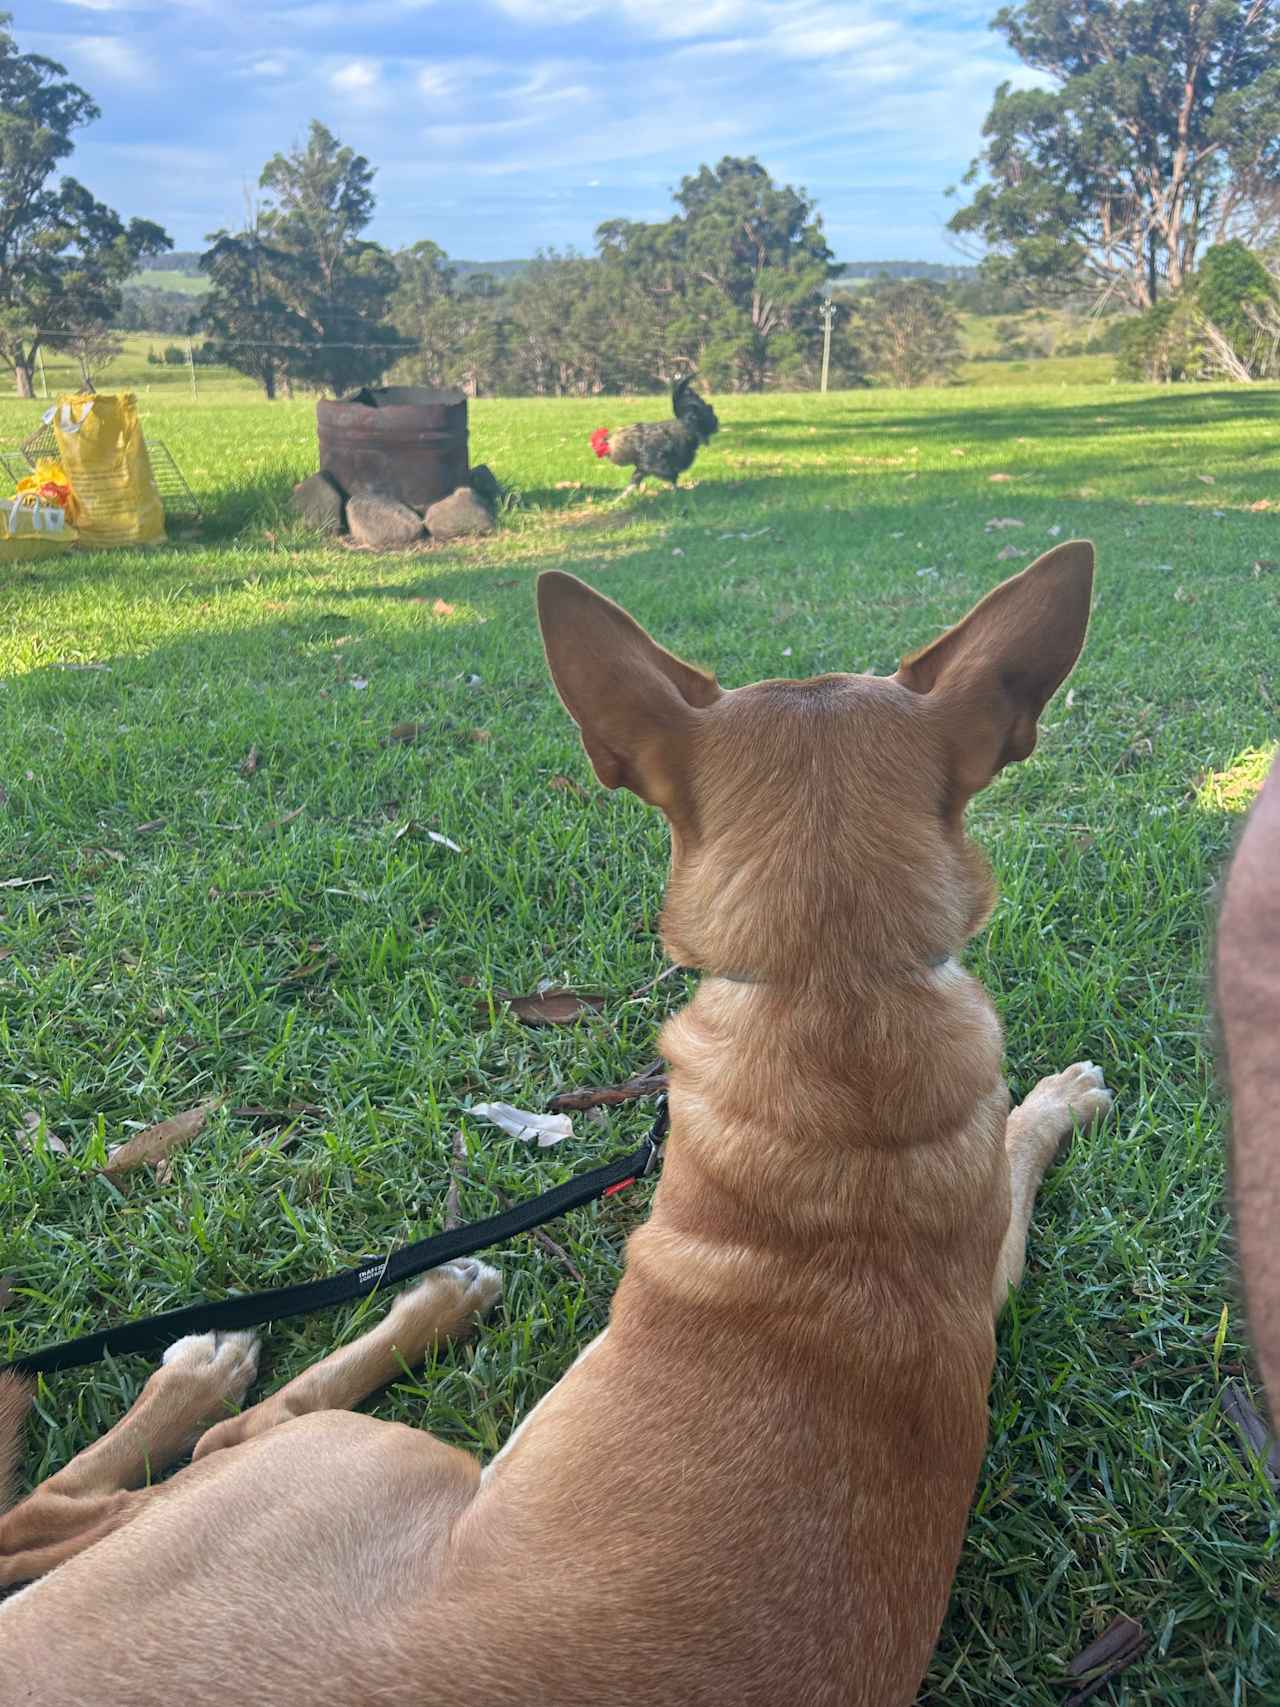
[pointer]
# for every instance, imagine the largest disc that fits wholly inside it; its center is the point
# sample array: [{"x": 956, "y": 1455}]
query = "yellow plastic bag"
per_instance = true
[
  {"x": 30, "y": 527},
  {"x": 114, "y": 491}
]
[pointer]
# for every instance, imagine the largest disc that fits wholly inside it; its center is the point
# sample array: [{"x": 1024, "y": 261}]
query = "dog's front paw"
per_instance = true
[{"x": 1076, "y": 1097}]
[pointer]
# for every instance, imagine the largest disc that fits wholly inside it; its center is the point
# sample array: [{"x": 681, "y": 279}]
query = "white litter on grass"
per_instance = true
[
  {"x": 444, "y": 841},
  {"x": 548, "y": 1129}
]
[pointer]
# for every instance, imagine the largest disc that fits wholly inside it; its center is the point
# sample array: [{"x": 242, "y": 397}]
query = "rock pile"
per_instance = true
[{"x": 385, "y": 524}]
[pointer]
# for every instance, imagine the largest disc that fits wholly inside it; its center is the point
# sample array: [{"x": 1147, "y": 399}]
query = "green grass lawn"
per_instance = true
[{"x": 294, "y": 936}]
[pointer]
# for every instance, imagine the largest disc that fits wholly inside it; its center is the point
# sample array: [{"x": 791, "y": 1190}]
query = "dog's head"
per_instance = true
[{"x": 818, "y": 825}]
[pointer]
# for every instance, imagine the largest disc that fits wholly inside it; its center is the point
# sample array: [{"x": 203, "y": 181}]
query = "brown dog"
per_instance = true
[{"x": 754, "y": 1487}]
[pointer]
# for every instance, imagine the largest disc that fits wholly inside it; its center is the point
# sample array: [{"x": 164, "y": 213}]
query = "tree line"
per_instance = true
[{"x": 1141, "y": 176}]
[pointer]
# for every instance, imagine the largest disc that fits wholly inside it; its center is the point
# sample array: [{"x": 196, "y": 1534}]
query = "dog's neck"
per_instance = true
[{"x": 788, "y": 1092}]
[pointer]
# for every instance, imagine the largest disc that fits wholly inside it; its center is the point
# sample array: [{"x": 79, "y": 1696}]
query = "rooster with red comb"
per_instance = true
[{"x": 663, "y": 449}]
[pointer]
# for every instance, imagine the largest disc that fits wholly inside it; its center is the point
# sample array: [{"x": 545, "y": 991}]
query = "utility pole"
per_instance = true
[
  {"x": 828, "y": 312},
  {"x": 191, "y": 363}
]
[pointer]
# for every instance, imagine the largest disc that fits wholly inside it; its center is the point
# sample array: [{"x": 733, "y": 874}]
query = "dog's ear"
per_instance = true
[
  {"x": 996, "y": 671},
  {"x": 635, "y": 704}
]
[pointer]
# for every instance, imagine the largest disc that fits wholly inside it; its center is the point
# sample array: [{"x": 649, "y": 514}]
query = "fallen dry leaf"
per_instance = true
[
  {"x": 1262, "y": 504},
  {"x": 31, "y": 1126},
  {"x": 279, "y": 823},
  {"x": 999, "y": 479},
  {"x": 1206, "y": 479},
  {"x": 566, "y": 785},
  {"x": 1252, "y": 1431},
  {"x": 1264, "y": 566},
  {"x": 443, "y": 608},
  {"x": 477, "y": 735},
  {"x": 404, "y": 732},
  {"x": 1118, "y": 1646},
  {"x": 8, "y": 1297},
  {"x": 1004, "y": 522},
  {"x": 551, "y": 1007},
  {"x": 956, "y": 452},
  {"x": 5, "y": 953},
  {"x": 151, "y": 825},
  {"x": 568, "y": 485},
  {"x": 25, "y": 882},
  {"x": 444, "y": 842},
  {"x": 158, "y": 1142},
  {"x": 249, "y": 763},
  {"x": 1011, "y": 551},
  {"x": 1184, "y": 597}
]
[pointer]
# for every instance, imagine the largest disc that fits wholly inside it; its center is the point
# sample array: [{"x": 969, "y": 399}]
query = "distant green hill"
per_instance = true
[
  {"x": 496, "y": 269},
  {"x": 856, "y": 272},
  {"x": 179, "y": 272},
  {"x": 184, "y": 284}
]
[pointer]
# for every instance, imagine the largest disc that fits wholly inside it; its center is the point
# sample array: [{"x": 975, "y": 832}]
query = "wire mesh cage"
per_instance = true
[
  {"x": 15, "y": 466},
  {"x": 180, "y": 502}
]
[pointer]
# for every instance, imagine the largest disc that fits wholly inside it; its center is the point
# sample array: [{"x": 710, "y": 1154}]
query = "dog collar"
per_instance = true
[{"x": 933, "y": 964}]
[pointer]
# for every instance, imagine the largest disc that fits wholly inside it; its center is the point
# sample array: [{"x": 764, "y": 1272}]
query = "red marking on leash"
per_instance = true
[{"x": 621, "y": 1186}]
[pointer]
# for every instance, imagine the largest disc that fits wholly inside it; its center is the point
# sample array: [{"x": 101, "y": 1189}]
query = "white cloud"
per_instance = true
[
  {"x": 271, "y": 65},
  {"x": 170, "y": 159},
  {"x": 436, "y": 83},
  {"x": 356, "y": 77},
  {"x": 112, "y": 57},
  {"x": 553, "y": 12}
]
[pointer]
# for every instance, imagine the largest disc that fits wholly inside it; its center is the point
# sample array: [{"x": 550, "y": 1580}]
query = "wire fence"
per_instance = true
[{"x": 55, "y": 360}]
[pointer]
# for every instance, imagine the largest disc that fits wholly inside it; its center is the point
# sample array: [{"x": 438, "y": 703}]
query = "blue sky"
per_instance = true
[{"x": 503, "y": 125}]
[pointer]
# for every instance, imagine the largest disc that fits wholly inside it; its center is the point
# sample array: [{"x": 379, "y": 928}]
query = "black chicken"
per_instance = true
[{"x": 661, "y": 448}]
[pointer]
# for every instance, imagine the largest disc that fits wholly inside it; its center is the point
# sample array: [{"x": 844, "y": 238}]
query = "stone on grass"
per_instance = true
[
  {"x": 320, "y": 501},
  {"x": 459, "y": 514},
  {"x": 484, "y": 483},
  {"x": 383, "y": 523}
]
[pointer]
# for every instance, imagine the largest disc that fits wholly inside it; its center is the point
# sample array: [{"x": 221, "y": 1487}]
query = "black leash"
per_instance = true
[{"x": 153, "y": 1333}]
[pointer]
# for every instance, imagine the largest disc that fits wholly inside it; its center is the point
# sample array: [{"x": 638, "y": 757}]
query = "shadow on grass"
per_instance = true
[
  {"x": 826, "y": 509},
  {"x": 1180, "y": 408}
]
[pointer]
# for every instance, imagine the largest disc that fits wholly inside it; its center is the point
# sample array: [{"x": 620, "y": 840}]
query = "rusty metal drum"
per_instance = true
[{"x": 398, "y": 441}]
